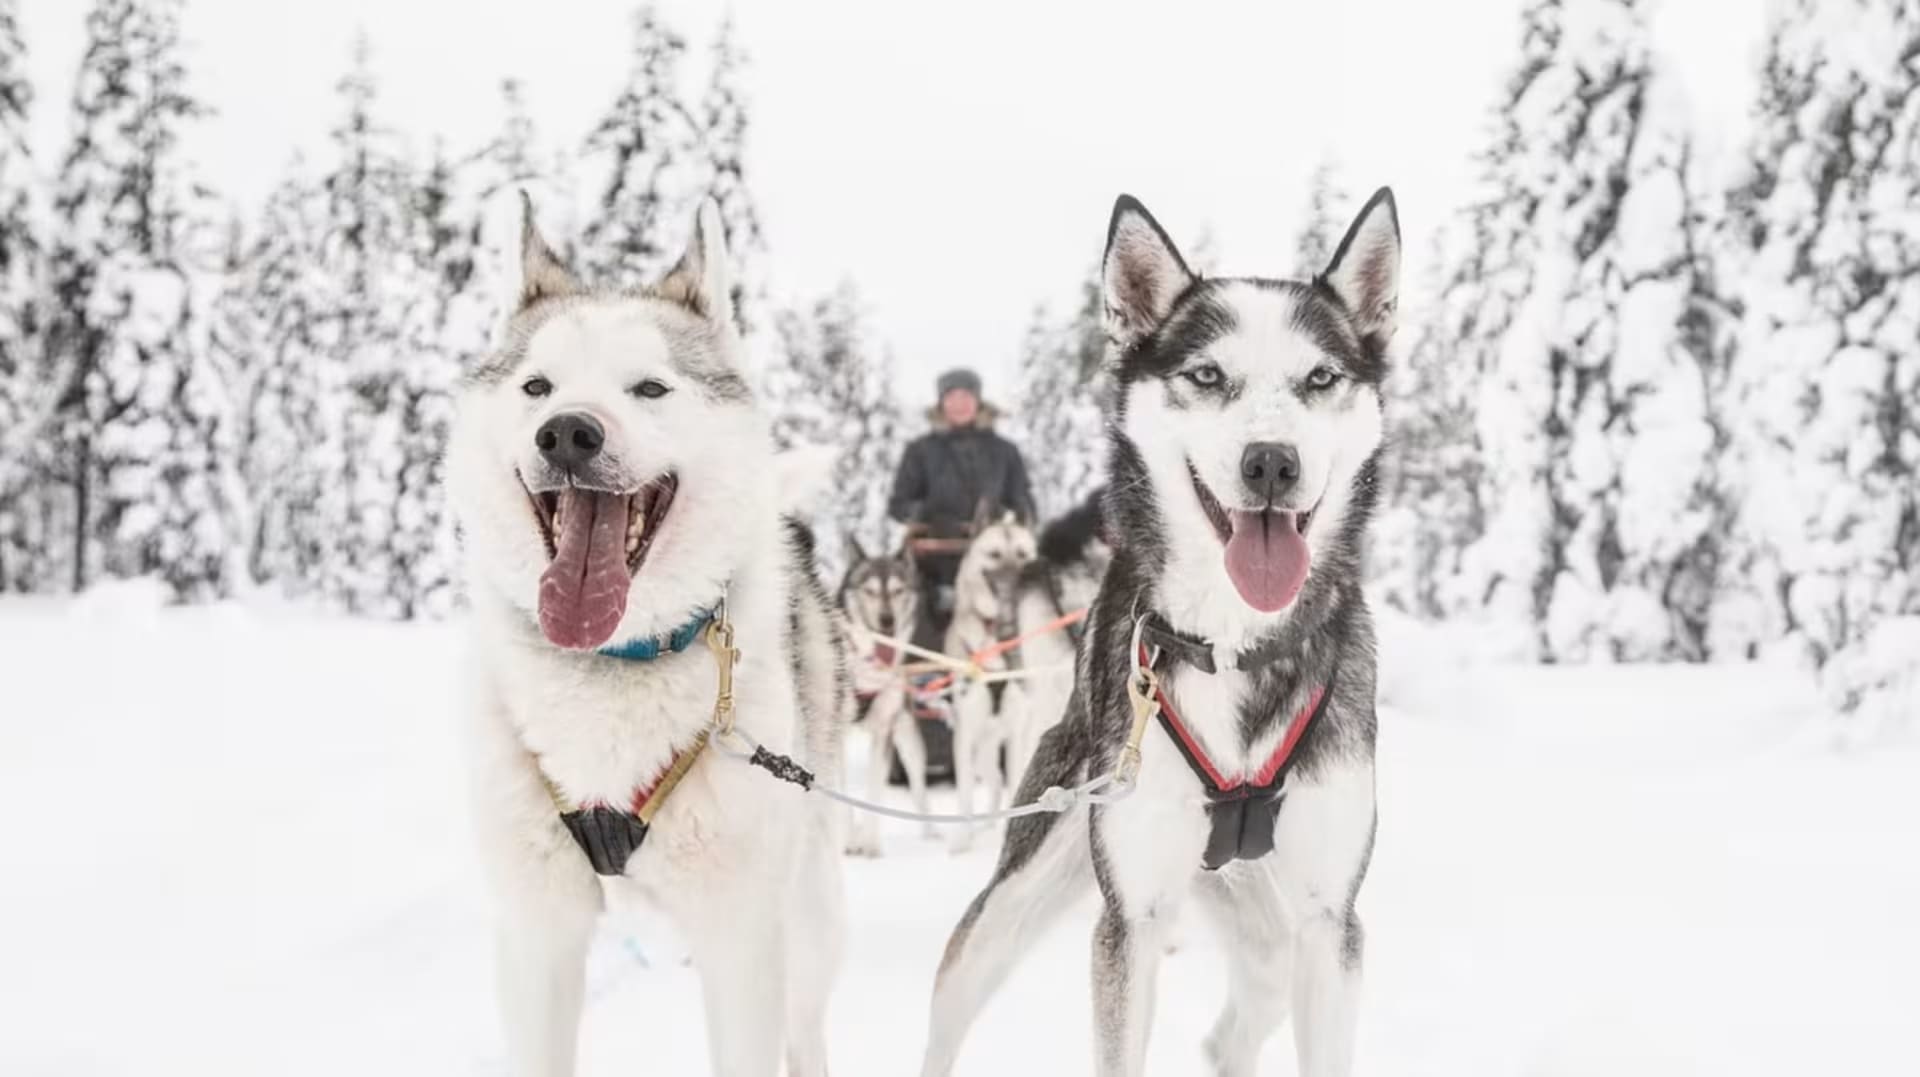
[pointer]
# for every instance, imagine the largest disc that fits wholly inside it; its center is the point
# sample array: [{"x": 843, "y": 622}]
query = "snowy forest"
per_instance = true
[{"x": 1643, "y": 411}]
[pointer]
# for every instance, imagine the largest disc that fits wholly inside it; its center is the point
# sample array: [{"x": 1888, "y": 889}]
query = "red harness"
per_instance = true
[{"x": 1243, "y": 808}]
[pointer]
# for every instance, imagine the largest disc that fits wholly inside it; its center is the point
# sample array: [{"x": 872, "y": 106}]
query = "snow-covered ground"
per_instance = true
[{"x": 232, "y": 845}]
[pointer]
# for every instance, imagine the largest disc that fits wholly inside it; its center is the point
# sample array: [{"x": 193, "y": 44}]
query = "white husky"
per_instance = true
[
  {"x": 619, "y": 504},
  {"x": 985, "y": 714}
]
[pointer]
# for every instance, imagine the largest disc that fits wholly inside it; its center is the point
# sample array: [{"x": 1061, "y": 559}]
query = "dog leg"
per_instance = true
[
  {"x": 1126, "y": 967},
  {"x": 1327, "y": 983},
  {"x": 742, "y": 961},
  {"x": 966, "y": 733},
  {"x": 1043, "y": 870},
  {"x": 814, "y": 954},
  {"x": 1145, "y": 855},
  {"x": 882, "y": 720},
  {"x": 547, "y": 900},
  {"x": 912, "y": 746},
  {"x": 1245, "y": 909},
  {"x": 540, "y": 965},
  {"x": 1321, "y": 851}
]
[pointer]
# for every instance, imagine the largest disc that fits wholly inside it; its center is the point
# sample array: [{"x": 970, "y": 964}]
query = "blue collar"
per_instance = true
[{"x": 646, "y": 650}]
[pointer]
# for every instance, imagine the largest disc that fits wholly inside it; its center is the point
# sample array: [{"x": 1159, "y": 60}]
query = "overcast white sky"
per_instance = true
[{"x": 956, "y": 160}]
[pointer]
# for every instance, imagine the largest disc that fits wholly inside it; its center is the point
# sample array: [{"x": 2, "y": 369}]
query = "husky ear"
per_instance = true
[
  {"x": 702, "y": 281},
  {"x": 856, "y": 553},
  {"x": 542, "y": 276},
  {"x": 1365, "y": 270},
  {"x": 982, "y": 517},
  {"x": 1141, "y": 274}
]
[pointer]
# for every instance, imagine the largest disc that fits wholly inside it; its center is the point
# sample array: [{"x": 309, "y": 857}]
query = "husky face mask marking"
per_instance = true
[
  {"x": 597, "y": 450},
  {"x": 881, "y": 594},
  {"x": 998, "y": 552},
  {"x": 1250, "y": 408}
]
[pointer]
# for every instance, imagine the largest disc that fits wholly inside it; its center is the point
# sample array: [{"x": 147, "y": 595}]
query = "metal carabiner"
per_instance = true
[{"x": 725, "y": 654}]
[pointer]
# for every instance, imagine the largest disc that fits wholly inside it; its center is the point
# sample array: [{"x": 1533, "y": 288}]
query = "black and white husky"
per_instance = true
[
  {"x": 880, "y": 597},
  {"x": 1241, "y": 476},
  {"x": 620, "y": 504}
]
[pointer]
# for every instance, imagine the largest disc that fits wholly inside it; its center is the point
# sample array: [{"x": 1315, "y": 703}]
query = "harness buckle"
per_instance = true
[
  {"x": 1143, "y": 691},
  {"x": 725, "y": 654}
]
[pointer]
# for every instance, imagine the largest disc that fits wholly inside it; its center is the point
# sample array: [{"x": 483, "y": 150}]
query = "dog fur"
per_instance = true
[
  {"x": 880, "y": 596},
  {"x": 985, "y": 714},
  {"x": 747, "y": 868},
  {"x": 1071, "y": 556},
  {"x": 1206, "y": 370}
]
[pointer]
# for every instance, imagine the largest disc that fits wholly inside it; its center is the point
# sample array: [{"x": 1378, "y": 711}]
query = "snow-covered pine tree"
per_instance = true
[
  {"x": 1567, "y": 310},
  {"x": 1434, "y": 471},
  {"x": 373, "y": 268},
  {"x": 274, "y": 324},
  {"x": 644, "y": 159},
  {"x": 1059, "y": 419},
  {"x": 723, "y": 120},
  {"x": 832, "y": 389},
  {"x": 1063, "y": 389},
  {"x": 145, "y": 437},
  {"x": 429, "y": 365},
  {"x": 1329, "y": 209},
  {"x": 1827, "y": 225},
  {"x": 25, "y": 381},
  {"x": 513, "y": 161}
]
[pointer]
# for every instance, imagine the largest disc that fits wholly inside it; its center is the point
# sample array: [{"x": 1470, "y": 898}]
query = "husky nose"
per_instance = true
[
  {"x": 570, "y": 439},
  {"x": 1270, "y": 469},
  {"x": 886, "y": 624}
]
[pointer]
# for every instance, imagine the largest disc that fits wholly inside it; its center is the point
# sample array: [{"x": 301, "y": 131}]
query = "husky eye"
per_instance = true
[
  {"x": 1322, "y": 377},
  {"x": 536, "y": 386},
  {"x": 651, "y": 389},
  {"x": 1204, "y": 376}
]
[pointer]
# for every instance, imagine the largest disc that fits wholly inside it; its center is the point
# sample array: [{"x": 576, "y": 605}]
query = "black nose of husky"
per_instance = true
[
  {"x": 570, "y": 439},
  {"x": 1270, "y": 469}
]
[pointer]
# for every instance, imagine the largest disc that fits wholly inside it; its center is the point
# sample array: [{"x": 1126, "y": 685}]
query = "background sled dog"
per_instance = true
[
  {"x": 1241, "y": 476},
  {"x": 881, "y": 597},
  {"x": 1070, "y": 557},
  {"x": 617, "y": 491},
  {"x": 983, "y": 614}
]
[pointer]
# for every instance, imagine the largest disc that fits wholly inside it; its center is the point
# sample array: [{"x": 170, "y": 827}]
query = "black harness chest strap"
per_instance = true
[
  {"x": 610, "y": 836},
  {"x": 1198, "y": 653},
  {"x": 1242, "y": 811}
]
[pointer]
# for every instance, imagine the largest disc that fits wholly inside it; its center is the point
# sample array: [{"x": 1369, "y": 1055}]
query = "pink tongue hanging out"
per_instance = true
[
  {"x": 1267, "y": 559},
  {"x": 583, "y": 593}
]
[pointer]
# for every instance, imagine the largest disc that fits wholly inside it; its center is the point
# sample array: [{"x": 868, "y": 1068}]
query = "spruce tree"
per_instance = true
[
  {"x": 1433, "y": 513},
  {"x": 145, "y": 438},
  {"x": 1830, "y": 368},
  {"x": 275, "y": 323},
  {"x": 1062, "y": 391},
  {"x": 723, "y": 117},
  {"x": 509, "y": 163},
  {"x": 1579, "y": 316},
  {"x": 643, "y": 158},
  {"x": 372, "y": 265},
  {"x": 831, "y": 388},
  {"x": 25, "y": 380},
  {"x": 1328, "y": 210}
]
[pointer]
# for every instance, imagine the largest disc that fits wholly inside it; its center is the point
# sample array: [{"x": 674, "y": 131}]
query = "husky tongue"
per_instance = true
[
  {"x": 583, "y": 593},
  {"x": 1267, "y": 559}
]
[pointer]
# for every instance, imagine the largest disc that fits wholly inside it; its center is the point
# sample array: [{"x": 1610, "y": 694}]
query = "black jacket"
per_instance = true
[{"x": 946, "y": 475}]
